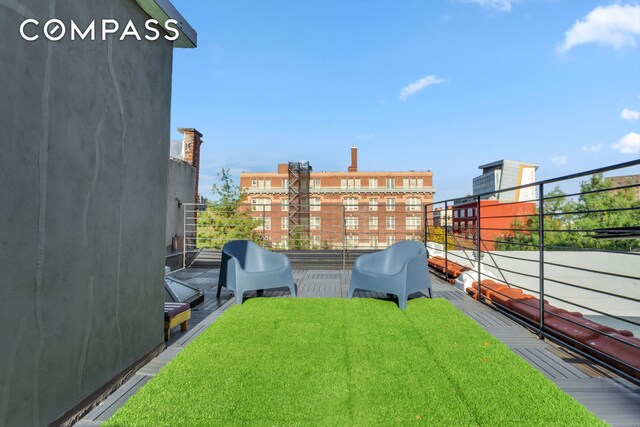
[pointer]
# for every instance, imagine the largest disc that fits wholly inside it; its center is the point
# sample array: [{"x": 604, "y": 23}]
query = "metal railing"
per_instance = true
[
  {"x": 572, "y": 246},
  {"x": 572, "y": 249},
  {"x": 344, "y": 227}
]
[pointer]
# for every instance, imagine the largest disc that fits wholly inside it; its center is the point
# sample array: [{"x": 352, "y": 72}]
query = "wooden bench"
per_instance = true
[{"x": 176, "y": 313}]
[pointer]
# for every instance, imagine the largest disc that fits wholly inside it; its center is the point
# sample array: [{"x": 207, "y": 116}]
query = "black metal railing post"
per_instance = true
[
  {"x": 264, "y": 224},
  {"x": 541, "y": 252},
  {"x": 344, "y": 237},
  {"x": 479, "y": 249},
  {"x": 184, "y": 235},
  {"x": 424, "y": 227},
  {"x": 446, "y": 240}
]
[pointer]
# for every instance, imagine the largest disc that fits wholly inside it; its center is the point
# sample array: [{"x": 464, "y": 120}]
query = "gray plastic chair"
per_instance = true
[
  {"x": 247, "y": 267},
  {"x": 401, "y": 270}
]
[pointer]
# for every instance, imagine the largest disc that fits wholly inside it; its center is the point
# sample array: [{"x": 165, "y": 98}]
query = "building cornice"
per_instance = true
[{"x": 346, "y": 191}]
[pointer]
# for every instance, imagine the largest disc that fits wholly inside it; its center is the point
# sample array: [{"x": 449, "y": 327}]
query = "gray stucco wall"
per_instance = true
[
  {"x": 83, "y": 189},
  {"x": 182, "y": 187}
]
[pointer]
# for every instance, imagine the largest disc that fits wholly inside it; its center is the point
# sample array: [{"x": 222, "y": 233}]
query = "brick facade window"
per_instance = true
[
  {"x": 391, "y": 223},
  {"x": 391, "y": 204},
  {"x": 351, "y": 222},
  {"x": 314, "y": 222},
  {"x": 373, "y": 223},
  {"x": 413, "y": 223},
  {"x": 351, "y": 203},
  {"x": 261, "y": 204},
  {"x": 413, "y": 204}
]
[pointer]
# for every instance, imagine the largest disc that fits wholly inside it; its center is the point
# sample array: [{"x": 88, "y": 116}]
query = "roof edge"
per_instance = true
[
  {"x": 501, "y": 162},
  {"x": 162, "y": 11}
]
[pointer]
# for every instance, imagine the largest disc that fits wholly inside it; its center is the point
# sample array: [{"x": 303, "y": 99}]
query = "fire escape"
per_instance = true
[{"x": 299, "y": 177}]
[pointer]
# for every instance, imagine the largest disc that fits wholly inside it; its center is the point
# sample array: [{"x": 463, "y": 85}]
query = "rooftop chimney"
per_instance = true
[
  {"x": 191, "y": 142},
  {"x": 354, "y": 159}
]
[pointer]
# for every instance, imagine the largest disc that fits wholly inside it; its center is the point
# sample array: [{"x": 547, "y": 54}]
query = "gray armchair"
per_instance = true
[
  {"x": 247, "y": 267},
  {"x": 401, "y": 269}
]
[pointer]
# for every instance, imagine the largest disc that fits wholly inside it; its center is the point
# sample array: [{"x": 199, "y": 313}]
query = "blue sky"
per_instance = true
[{"x": 543, "y": 81}]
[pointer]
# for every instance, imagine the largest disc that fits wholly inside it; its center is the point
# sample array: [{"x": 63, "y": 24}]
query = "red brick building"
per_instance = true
[
  {"x": 496, "y": 219},
  {"x": 361, "y": 209}
]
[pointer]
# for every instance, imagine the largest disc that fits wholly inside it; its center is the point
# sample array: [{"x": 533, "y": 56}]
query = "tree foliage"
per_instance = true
[
  {"x": 436, "y": 234},
  {"x": 573, "y": 223},
  {"x": 226, "y": 218}
]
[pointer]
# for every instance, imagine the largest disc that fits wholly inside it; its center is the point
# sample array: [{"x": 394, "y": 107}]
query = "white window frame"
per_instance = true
[
  {"x": 352, "y": 223},
  {"x": 350, "y": 203},
  {"x": 261, "y": 204},
  {"x": 265, "y": 223},
  {"x": 413, "y": 204},
  {"x": 315, "y": 222},
  {"x": 373, "y": 223},
  {"x": 413, "y": 223},
  {"x": 390, "y": 203},
  {"x": 391, "y": 222}
]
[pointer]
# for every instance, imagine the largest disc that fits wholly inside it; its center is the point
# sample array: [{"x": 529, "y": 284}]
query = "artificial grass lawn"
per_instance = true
[{"x": 291, "y": 361}]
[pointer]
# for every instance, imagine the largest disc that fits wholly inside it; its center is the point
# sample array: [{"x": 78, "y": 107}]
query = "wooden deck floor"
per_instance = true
[{"x": 613, "y": 399}]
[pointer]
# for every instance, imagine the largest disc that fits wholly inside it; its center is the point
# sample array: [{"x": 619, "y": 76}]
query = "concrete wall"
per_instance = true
[
  {"x": 182, "y": 187},
  {"x": 83, "y": 185},
  {"x": 568, "y": 267}
]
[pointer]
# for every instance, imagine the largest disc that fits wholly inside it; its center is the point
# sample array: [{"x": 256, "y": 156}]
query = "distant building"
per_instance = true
[
  {"x": 626, "y": 180},
  {"x": 365, "y": 209},
  {"x": 182, "y": 183},
  {"x": 496, "y": 219},
  {"x": 503, "y": 174},
  {"x": 442, "y": 218}
]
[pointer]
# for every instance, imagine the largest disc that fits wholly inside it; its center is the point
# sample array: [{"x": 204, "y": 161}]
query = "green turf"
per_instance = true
[{"x": 288, "y": 361}]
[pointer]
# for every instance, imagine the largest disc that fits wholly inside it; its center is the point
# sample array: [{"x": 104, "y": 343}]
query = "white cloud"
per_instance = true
[
  {"x": 417, "y": 86},
  {"x": 499, "y": 5},
  {"x": 560, "y": 160},
  {"x": 628, "y": 144},
  {"x": 630, "y": 114},
  {"x": 615, "y": 25},
  {"x": 593, "y": 148}
]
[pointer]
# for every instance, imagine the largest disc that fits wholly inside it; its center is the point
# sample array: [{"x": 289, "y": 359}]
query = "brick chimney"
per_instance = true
[
  {"x": 354, "y": 159},
  {"x": 191, "y": 141}
]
